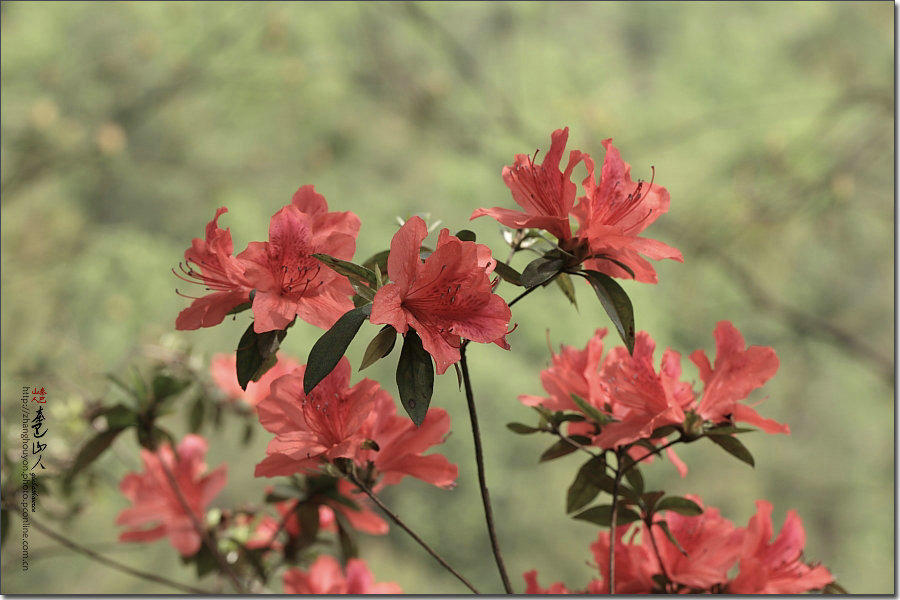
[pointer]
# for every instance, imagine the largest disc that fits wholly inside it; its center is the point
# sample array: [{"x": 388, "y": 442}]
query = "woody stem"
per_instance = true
[
  {"x": 396, "y": 519},
  {"x": 612, "y": 521},
  {"x": 224, "y": 567},
  {"x": 479, "y": 461}
]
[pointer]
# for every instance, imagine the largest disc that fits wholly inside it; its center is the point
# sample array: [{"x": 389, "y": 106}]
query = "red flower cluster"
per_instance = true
[
  {"x": 710, "y": 548},
  {"x": 446, "y": 298},
  {"x": 638, "y": 399},
  {"x": 325, "y": 576},
  {"x": 155, "y": 502},
  {"x": 359, "y": 423},
  {"x": 611, "y": 214},
  {"x": 288, "y": 280}
]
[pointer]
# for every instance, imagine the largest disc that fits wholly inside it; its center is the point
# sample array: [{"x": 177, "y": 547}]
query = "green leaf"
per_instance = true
[
  {"x": 308, "y": 515},
  {"x": 541, "y": 270},
  {"x": 349, "y": 548},
  {"x": 682, "y": 506},
  {"x": 728, "y": 430},
  {"x": 415, "y": 377},
  {"x": 616, "y": 303},
  {"x": 92, "y": 450},
  {"x": 522, "y": 428},
  {"x": 734, "y": 447},
  {"x": 665, "y": 527},
  {"x": 560, "y": 448},
  {"x": 254, "y": 354},
  {"x": 350, "y": 270},
  {"x": 380, "y": 346},
  {"x": 586, "y": 486},
  {"x": 239, "y": 308},
  {"x": 649, "y": 500},
  {"x": 363, "y": 291},
  {"x": 326, "y": 353},
  {"x": 507, "y": 273},
  {"x": 834, "y": 588},
  {"x": 119, "y": 416},
  {"x": 565, "y": 284},
  {"x": 165, "y": 386},
  {"x": 664, "y": 431},
  {"x": 466, "y": 235},
  {"x": 634, "y": 477},
  {"x": 602, "y": 515},
  {"x": 591, "y": 411},
  {"x": 197, "y": 414}
]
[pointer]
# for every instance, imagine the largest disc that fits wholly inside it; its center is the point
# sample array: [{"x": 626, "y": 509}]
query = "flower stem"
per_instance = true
[
  {"x": 103, "y": 560},
  {"x": 224, "y": 567},
  {"x": 522, "y": 295},
  {"x": 396, "y": 519},
  {"x": 479, "y": 461},
  {"x": 612, "y": 521}
]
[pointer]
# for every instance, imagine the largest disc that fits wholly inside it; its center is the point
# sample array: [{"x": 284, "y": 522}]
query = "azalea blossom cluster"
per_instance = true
[
  {"x": 624, "y": 398},
  {"x": 335, "y": 444},
  {"x": 698, "y": 554}
]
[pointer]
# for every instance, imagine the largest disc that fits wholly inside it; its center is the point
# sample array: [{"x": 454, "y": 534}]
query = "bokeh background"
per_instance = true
[{"x": 125, "y": 125}]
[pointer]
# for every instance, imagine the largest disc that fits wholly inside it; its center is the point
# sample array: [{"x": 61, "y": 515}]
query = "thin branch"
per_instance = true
[
  {"x": 662, "y": 565},
  {"x": 201, "y": 531},
  {"x": 74, "y": 546},
  {"x": 396, "y": 519},
  {"x": 651, "y": 453},
  {"x": 612, "y": 521},
  {"x": 523, "y": 294},
  {"x": 479, "y": 461}
]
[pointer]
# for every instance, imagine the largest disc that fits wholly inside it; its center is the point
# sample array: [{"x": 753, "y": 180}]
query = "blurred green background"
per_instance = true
[{"x": 124, "y": 126}]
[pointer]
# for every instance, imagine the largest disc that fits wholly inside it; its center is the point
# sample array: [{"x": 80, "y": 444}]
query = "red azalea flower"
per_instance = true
[
  {"x": 738, "y": 371},
  {"x": 156, "y": 503},
  {"x": 447, "y": 298},
  {"x": 532, "y": 586},
  {"x": 401, "y": 444},
  {"x": 711, "y": 546},
  {"x": 209, "y": 262},
  {"x": 289, "y": 282},
  {"x": 325, "y": 576},
  {"x": 546, "y": 193},
  {"x": 614, "y": 212},
  {"x": 636, "y": 563},
  {"x": 224, "y": 374},
  {"x": 776, "y": 568},
  {"x": 319, "y": 427}
]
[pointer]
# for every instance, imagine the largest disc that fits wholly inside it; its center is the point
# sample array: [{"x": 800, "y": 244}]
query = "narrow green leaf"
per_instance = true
[
  {"x": 616, "y": 303},
  {"x": 92, "y": 450},
  {"x": 728, "y": 430},
  {"x": 541, "y": 270},
  {"x": 585, "y": 486},
  {"x": 197, "y": 414},
  {"x": 326, "y": 353},
  {"x": 591, "y": 411},
  {"x": 380, "y": 346},
  {"x": 165, "y": 386},
  {"x": 415, "y": 377},
  {"x": 682, "y": 506},
  {"x": 602, "y": 515},
  {"x": 560, "y": 448},
  {"x": 119, "y": 416},
  {"x": 665, "y": 527},
  {"x": 507, "y": 273},
  {"x": 734, "y": 447},
  {"x": 635, "y": 479},
  {"x": 521, "y": 428},
  {"x": 254, "y": 354},
  {"x": 466, "y": 235},
  {"x": 565, "y": 284},
  {"x": 239, "y": 308},
  {"x": 350, "y": 270},
  {"x": 363, "y": 291},
  {"x": 649, "y": 500}
]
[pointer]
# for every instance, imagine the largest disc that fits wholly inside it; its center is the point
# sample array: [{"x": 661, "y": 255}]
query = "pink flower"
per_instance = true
[
  {"x": 636, "y": 564},
  {"x": 319, "y": 427},
  {"x": 156, "y": 504},
  {"x": 447, "y": 298},
  {"x": 209, "y": 263},
  {"x": 738, "y": 371},
  {"x": 289, "y": 282},
  {"x": 546, "y": 193},
  {"x": 612, "y": 214},
  {"x": 401, "y": 444},
  {"x": 532, "y": 586},
  {"x": 711, "y": 543},
  {"x": 325, "y": 576},
  {"x": 224, "y": 374},
  {"x": 776, "y": 568}
]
